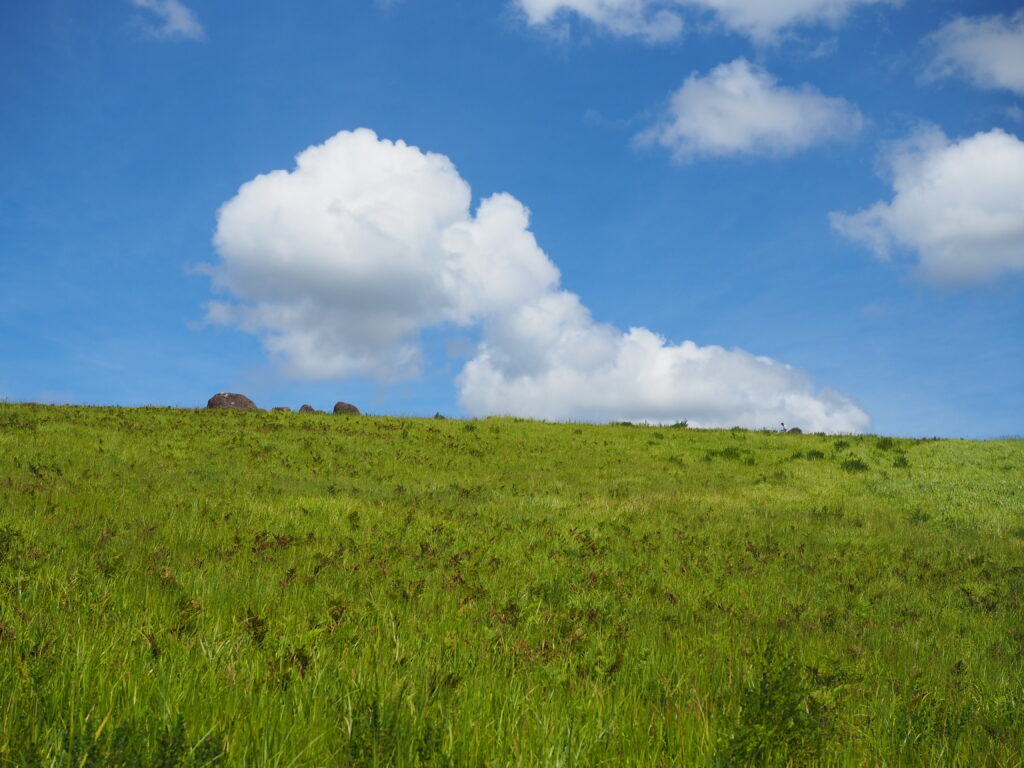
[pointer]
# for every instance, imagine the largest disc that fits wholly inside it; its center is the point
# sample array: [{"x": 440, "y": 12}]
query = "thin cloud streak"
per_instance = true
[
  {"x": 658, "y": 21},
  {"x": 176, "y": 20}
]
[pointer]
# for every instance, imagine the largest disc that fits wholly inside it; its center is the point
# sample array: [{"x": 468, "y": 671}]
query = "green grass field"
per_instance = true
[{"x": 190, "y": 588}]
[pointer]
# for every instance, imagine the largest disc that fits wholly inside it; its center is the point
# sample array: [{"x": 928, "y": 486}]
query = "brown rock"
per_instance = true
[
  {"x": 282, "y": 408},
  {"x": 231, "y": 401},
  {"x": 341, "y": 407},
  {"x": 308, "y": 409},
  {"x": 795, "y": 431}
]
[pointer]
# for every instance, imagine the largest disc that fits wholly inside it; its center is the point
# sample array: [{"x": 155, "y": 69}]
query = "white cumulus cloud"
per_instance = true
[
  {"x": 658, "y": 20},
  {"x": 342, "y": 261},
  {"x": 175, "y": 19},
  {"x": 339, "y": 264},
  {"x": 740, "y": 109},
  {"x": 549, "y": 359},
  {"x": 987, "y": 50},
  {"x": 959, "y": 204}
]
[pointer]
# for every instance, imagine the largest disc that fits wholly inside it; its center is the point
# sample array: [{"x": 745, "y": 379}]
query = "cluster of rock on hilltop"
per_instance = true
[{"x": 232, "y": 401}]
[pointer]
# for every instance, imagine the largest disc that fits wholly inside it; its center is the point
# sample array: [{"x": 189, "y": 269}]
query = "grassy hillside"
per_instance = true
[{"x": 186, "y": 588}]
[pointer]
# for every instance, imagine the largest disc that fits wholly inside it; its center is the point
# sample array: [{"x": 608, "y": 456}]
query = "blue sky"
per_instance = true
[{"x": 828, "y": 206}]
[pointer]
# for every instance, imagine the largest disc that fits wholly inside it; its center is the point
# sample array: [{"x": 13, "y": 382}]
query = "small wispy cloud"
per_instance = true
[
  {"x": 740, "y": 109},
  {"x": 170, "y": 19},
  {"x": 987, "y": 50}
]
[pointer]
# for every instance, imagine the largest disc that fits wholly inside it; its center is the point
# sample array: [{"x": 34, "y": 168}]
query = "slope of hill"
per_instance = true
[{"x": 186, "y": 588}]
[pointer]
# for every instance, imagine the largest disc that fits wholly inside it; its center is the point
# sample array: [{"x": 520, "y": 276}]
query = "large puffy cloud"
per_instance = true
[
  {"x": 740, "y": 109},
  {"x": 550, "y": 360},
  {"x": 339, "y": 264},
  {"x": 988, "y": 50},
  {"x": 176, "y": 20},
  {"x": 958, "y": 204},
  {"x": 658, "y": 20}
]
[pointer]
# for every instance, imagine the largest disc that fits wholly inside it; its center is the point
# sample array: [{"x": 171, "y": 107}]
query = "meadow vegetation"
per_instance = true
[{"x": 216, "y": 588}]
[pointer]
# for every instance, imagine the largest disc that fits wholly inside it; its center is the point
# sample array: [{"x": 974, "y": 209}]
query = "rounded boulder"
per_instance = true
[{"x": 231, "y": 401}]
